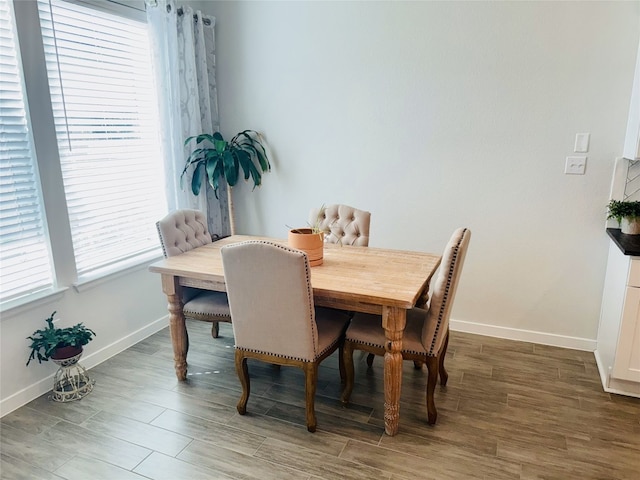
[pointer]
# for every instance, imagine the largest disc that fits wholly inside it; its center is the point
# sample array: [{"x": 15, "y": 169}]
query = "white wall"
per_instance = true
[{"x": 434, "y": 115}]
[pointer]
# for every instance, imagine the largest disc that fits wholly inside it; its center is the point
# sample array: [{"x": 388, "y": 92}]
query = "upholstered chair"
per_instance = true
[
  {"x": 347, "y": 225},
  {"x": 181, "y": 231},
  {"x": 426, "y": 334},
  {"x": 274, "y": 318}
]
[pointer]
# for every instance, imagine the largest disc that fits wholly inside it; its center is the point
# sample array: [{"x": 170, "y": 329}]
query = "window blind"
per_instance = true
[
  {"x": 25, "y": 265},
  {"x": 105, "y": 111}
]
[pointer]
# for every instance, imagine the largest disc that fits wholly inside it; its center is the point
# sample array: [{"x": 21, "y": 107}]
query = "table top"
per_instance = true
[{"x": 367, "y": 275}]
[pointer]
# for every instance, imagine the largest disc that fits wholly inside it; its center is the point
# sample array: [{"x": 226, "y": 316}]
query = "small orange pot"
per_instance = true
[{"x": 311, "y": 243}]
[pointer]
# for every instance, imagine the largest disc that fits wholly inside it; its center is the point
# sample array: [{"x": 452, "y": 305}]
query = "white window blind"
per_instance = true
[
  {"x": 105, "y": 110},
  {"x": 25, "y": 265}
]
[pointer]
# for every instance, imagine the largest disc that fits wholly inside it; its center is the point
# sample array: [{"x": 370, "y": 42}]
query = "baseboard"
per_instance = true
[
  {"x": 24, "y": 396},
  {"x": 601, "y": 370},
  {"x": 613, "y": 385},
  {"x": 542, "y": 338}
]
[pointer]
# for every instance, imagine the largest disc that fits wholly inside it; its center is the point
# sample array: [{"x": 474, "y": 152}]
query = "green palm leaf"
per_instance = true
[
  {"x": 196, "y": 180},
  {"x": 230, "y": 170},
  {"x": 224, "y": 160}
]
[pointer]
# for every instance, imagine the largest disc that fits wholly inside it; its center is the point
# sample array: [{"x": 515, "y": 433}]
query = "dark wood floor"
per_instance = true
[{"x": 512, "y": 410}]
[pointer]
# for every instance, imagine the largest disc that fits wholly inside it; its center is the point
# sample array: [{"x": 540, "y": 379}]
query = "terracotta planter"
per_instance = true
[
  {"x": 311, "y": 243},
  {"x": 630, "y": 226}
]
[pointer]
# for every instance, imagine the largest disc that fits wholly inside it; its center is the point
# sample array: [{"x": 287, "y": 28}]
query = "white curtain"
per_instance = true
[{"x": 183, "y": 49}]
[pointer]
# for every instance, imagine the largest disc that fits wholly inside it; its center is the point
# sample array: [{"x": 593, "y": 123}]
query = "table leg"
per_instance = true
[
  {"x": 393, "y": 320},
  {"x": 177, "y": 326}
]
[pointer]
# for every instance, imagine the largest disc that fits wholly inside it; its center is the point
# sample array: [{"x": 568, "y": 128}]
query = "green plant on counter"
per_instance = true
[
  {"x": 45, "y": 342},
  {"x": 620, "y": 209}
]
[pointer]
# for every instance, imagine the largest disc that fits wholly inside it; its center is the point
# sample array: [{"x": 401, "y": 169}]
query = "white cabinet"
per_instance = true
[
  {"x": 632, "y": 138},
  {"x": 627, "y": 361},
  {"x": 618, "y": 351}
]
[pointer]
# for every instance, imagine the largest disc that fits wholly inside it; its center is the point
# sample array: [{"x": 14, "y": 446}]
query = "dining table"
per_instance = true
[{"x": 382, "y": 281}]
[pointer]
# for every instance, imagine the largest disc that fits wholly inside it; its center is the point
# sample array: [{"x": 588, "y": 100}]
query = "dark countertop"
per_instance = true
[{"x": 628, "y": 244}]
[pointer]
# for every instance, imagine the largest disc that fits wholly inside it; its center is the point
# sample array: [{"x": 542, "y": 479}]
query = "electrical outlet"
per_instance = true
[{"x": 575, "y": 165}]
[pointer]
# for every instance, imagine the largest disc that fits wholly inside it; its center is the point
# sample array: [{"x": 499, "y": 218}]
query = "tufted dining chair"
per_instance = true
[
  {"x": 181, "y": 231},
  {"x": 348, "y": 225},
  {"x": 426, "y": 334},
  {"x": 274, "y": 318}
]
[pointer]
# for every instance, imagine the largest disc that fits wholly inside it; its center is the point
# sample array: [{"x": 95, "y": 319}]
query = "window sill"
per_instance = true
[
  {"x": 20, "y": 305},
  {"x": 107, "y": 274}
]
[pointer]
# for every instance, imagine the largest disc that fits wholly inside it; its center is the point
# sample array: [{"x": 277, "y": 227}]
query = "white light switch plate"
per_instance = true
[
  {"x": 575, "y": 165},
  {"x": 582, "y": 143}
]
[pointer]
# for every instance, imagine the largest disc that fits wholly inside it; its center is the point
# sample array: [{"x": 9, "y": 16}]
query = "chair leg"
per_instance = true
[
  {"x": 444, "y": 376},
  {"x": 349, "y": 372},
  {"x": 311, "y": 380},
  {"x": 215, "y": 329},
  {"x": 243, "y": 375},
  {"x": 370, "y": 358},
  {"x": 432, "y": 380},
  {"x": 341, "y": 367}
]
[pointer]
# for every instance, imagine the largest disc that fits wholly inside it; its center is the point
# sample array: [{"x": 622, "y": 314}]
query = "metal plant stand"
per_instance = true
[{"x": 71, "y": 381}]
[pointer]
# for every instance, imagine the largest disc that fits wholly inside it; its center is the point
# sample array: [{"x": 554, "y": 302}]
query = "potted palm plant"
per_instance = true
[
  {"x": 58, "y": 343},
  {"x": 216, "y": 159},
  {"x": 627, "y": 214}
]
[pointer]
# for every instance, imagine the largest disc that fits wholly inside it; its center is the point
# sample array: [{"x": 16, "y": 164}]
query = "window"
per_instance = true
[
  {"x": 25, "y": 265},
  {"x": 105, "y": 112}
]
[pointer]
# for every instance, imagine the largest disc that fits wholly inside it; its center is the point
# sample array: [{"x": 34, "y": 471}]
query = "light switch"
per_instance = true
[
  {"x": 575, "y": 165},
  {"x": 582, "y": 143}
]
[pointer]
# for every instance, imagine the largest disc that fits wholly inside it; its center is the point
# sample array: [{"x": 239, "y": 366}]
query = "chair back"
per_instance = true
[
  {"x": 271, "y": 299},
  {"x": 183, "y": 230},
  {"x": 348, "y": 225},
  {"x": 443, "y": 292}
]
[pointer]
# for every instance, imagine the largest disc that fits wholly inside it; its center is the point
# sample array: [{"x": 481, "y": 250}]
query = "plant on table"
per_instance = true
[
  {"x": 316, "y": 227},
  {"x": 216, "y": 159},
  {"x": 310, "y": 239},
  {"x": 45, "y": 342}
]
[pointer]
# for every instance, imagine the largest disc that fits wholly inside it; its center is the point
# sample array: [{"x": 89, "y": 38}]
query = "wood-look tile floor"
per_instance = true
[{"x": 511, "y": 410}]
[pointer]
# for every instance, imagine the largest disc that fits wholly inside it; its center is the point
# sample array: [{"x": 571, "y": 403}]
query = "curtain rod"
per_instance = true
[
  {"x": 154, "y": 3},
  {"x": 206, "y": 21}
]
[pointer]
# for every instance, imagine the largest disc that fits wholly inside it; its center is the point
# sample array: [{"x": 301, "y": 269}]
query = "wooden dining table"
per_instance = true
[{"x": 361, "y": 279}]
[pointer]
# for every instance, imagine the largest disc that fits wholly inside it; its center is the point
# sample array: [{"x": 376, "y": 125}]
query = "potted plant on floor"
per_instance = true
[
  {"x": 58, "y": 343},
  {"x": 627, "y": 214},
  {"x": 64, "y": 346},
  {"x": 216, "y": 159}
]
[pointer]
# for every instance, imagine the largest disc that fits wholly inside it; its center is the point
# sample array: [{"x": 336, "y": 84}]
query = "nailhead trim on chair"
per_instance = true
[
  {"x": 287, "y": 356},
  {"x": 189, "y": 313},
  {"x": 164, "y": 250},
  {"x": 413, "y": 352},
  {"x": 443, "y": 303}
]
